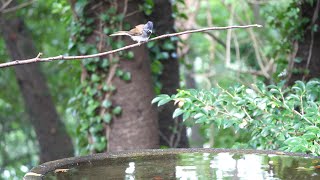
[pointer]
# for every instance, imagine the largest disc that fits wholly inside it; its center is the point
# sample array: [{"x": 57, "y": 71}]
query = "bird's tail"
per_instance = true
[{"x": 120, "y": 33}]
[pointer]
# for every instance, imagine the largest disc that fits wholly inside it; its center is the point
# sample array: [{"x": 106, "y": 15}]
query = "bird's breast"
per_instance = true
[{"x": 139, "y": 38}]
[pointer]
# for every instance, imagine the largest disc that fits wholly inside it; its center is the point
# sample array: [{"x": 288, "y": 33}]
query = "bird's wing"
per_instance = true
[{"x": 137, "y": 30}]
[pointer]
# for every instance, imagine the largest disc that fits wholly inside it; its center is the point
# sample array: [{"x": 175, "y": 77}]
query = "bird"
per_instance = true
[{"x": 140, "y": 33}]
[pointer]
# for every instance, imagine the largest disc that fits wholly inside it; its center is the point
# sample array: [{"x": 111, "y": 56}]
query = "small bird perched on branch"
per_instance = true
[{"x": 140, "y": 33}]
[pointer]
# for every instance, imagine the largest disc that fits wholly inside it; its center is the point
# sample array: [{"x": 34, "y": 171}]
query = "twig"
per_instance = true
[
  {"x": 215, "y": 38},
  {"x": 291, "y": 60},
  {"x": 132, "y": 13},
  {"x": 124, "y": 12},
  {"x": 228, "y": 44},
  {"x": 5, "y": 4},
  {"x": 164, "y": 138},
  {"x": 258, "y": 55},
  {"x": 22, "y": 5},
  {"x": 208, "y": 12},
  {"x": 293, "y": 110},
  {"x": 63, "y": 57},
  {"x": 237, "y": 47}
]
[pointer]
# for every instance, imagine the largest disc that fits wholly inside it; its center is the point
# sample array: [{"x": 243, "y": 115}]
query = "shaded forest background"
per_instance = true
[{"x": 70, "y": 108}]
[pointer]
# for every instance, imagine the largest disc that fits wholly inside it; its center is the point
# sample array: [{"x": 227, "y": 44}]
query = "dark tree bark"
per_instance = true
[
  {"x": 51, "y": 134},
  {"x": 309, "y": 47},
  {"x": 172, "y": 131},
  {"x": 137, "y": 126}
]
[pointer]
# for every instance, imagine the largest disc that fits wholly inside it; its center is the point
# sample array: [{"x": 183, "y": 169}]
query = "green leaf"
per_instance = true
[
  {"x": 106, "y": 103},
  {"x": 100, "y": 144},
  {"x": 164, "y": 101},
  {"x": 313, "y": 129},
  {"x": 162, "y": 55},
  {"x": 119, "y": 72},
  {"x": 117, "y": 110},
  {"x": 177, "y": 112},
  {"x": 111, "y": 10},
  {"x": 186, "y": 115},
  {"x": 156, "y": 99},
  {"x": 265, "y": 132},
  {"x": 240, "y": 102},
  {"x": 299, "y": 148},
  {"x": 227, "y": 123},
  {"x": 89, "y": 110},
  {"x": 293, "y": 140},
  {"x": 251, "y": 93},
  {"x": 105, "y": 17},
  {"x": 301, "y": 85},
  {"x": 309, "y": 136},
  {"x": 201, "y": 120},
  {"x": 293, "y": 96},
  {"x": 218, "y": 122},
  {"x": 95, "y": 78},
  {"x": 281, "y": 137},
  {"x": 130, "y": 55},
  {"x": 274, "y": 91},
  {"x": 126, "y": 76},
  {"x": 168, "y": 45},
  {"x": 95, "y": 128},
  {"x": 107, "y": 118},
  {"x": 104, "y": 63},
  {"x": 198, "y": 115}
]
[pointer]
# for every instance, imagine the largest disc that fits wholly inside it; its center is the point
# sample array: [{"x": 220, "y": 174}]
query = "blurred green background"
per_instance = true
[{"x": 226, "y": 58}]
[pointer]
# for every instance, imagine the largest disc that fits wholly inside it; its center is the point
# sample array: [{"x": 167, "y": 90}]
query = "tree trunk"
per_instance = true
[
  {"x": 309, "y": 47},
  {"x": 137, "y": 126},
  {"x": 51, "y": 134},
  {"x": 172, "y": 131}
]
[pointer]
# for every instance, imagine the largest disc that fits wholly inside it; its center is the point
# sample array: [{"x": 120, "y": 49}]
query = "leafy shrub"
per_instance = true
[{"x": 278, "y": 117}]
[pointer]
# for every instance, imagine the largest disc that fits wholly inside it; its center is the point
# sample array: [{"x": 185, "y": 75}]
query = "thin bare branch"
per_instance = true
[
  {"x": 5, "y": 5},
  {"x": 63, "y": 57},
  {"x": 15, "y": 8},
  {"x": 228, "y": 40}
]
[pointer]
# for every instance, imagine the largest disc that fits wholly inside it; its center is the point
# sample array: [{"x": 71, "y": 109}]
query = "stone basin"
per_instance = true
[{"x": 184, "y": 164}]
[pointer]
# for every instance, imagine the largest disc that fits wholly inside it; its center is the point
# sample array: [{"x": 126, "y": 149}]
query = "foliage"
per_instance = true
[
  {"x": 165, "y": 49},
  {"x": 290, "y": 27},
  {"x": 275, "y": 123},
  {"x": 206, "y": 61},
  {"x": 94, "y": 94},
  {"x": 17, "y": 140},
  {"x": 160, "y": 52},
  {"x": 282, "y": 24},
  {"x": 92, "y": 107},
  {"x": 85, "y": 104},
  {"x": 277, "y": 117},
  {"x": 47, "y": 22},
  {"x": 206, "y": 57}
]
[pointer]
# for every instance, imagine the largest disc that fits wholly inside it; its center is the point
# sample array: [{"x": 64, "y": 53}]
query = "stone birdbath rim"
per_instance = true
[{"x": 47, "y": 167}]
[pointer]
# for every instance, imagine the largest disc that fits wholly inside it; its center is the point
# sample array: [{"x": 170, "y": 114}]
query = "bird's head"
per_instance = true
[{"x": 148, "y": 27}]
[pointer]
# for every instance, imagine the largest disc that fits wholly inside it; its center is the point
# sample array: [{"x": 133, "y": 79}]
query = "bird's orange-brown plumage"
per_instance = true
[
  {"x": 137, "y": 30},
  {"x": 133, "y": 32}
]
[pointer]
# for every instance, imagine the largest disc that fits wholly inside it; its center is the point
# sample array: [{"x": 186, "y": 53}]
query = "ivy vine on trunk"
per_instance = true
[{"x": 114, "y": 99}]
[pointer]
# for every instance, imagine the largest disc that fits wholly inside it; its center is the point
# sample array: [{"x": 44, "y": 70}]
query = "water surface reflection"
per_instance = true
[{"x": 194, "y": 166}]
